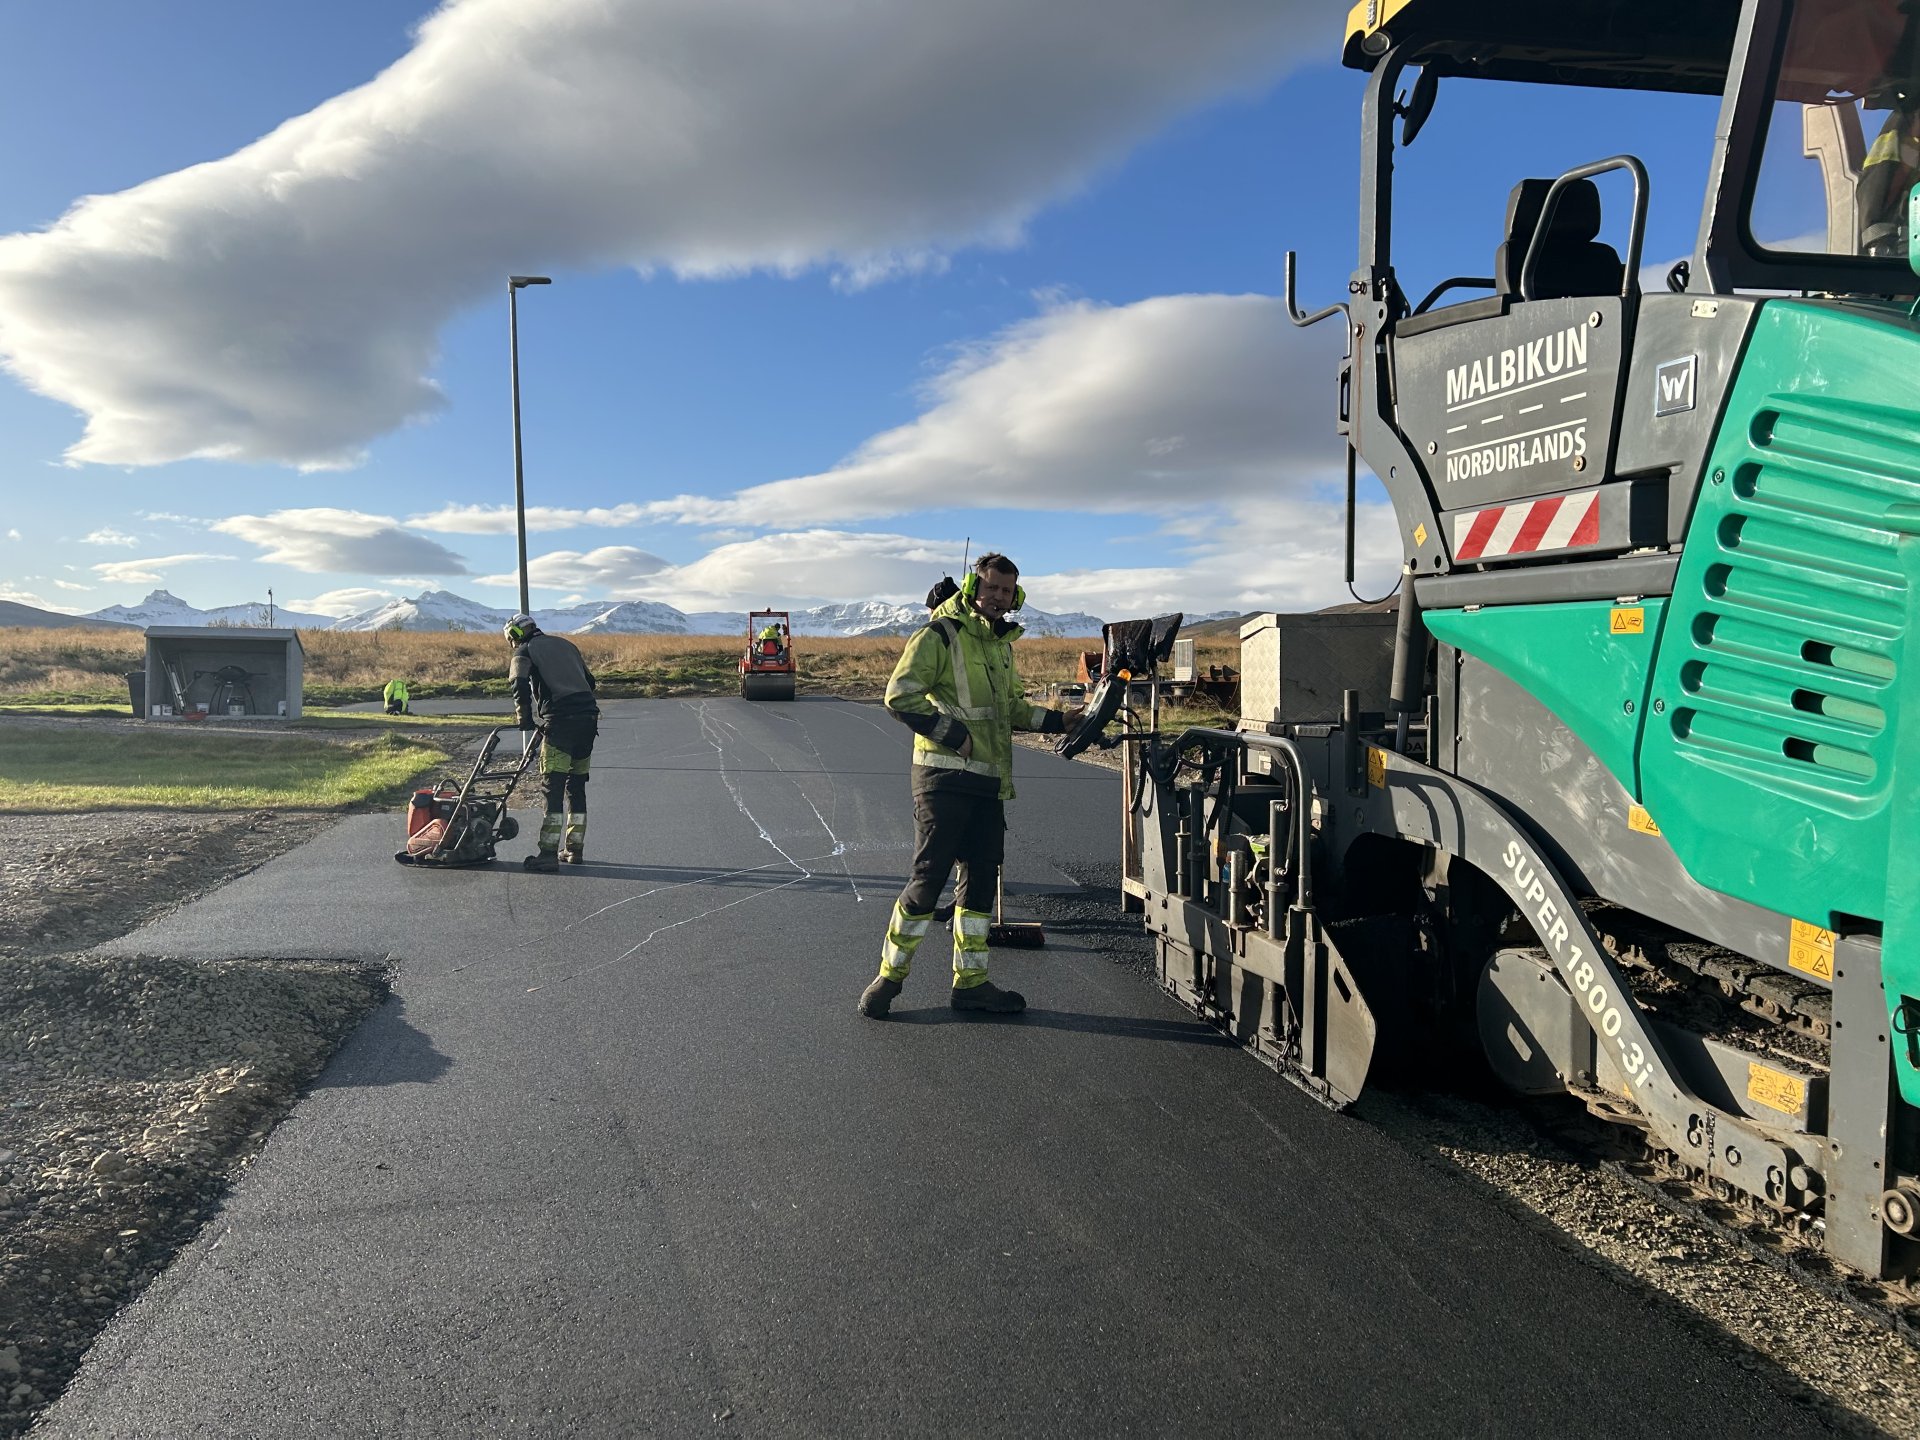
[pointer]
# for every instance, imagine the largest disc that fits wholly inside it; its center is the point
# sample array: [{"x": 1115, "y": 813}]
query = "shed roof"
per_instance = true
[{"x": 228, "y": 634}]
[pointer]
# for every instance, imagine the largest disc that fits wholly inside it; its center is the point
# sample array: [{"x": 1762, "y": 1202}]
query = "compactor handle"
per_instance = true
[{"x": 1293, "y": 309}]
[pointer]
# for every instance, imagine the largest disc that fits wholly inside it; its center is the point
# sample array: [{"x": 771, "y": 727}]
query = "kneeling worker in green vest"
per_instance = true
[
  {"x": 396, "y": 697},
  {"x": 956, "y": 688}
]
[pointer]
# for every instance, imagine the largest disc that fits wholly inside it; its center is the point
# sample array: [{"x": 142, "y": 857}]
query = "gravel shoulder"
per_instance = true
[{"x": 132, "y": 1089}]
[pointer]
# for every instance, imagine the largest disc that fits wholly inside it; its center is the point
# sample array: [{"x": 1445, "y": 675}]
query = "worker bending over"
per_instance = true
[
  {"x": 553, "y": 692},
  {"x": 957, "y": 690},
  {"x": 396, "y": 697}
]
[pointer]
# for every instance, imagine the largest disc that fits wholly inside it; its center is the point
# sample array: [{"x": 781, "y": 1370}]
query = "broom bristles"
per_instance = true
[{"x": 1017, "y": 935}]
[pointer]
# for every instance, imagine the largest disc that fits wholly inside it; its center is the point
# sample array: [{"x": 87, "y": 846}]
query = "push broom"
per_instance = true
[
  {"x": 1012, "y": 934},
  {"x": 1008, "y": 934}
]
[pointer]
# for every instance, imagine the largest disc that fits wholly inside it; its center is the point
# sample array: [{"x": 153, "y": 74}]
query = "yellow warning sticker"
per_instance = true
[
  {"x": 1776, "y": 1089},
  {"x": 1638, "y": 819},
  {"x": 1628, "y": 620},
  {"x": 1420, "y": 533},
  {"x": 1376, "y": 766},
  {"x": 1810, "y": 950}
]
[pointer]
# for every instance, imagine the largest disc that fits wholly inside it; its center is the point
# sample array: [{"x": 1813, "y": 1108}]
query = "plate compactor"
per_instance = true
[
  {"x": 767, "y": 670},
  {"x": 453, "y": 825}
]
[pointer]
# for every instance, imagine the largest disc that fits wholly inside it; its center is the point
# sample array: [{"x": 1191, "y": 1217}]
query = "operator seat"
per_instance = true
[{"x": 1572, "y": 261}]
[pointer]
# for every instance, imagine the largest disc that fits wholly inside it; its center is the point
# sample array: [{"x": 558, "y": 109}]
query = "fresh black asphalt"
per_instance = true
[{"x": 618, "y": 1158}]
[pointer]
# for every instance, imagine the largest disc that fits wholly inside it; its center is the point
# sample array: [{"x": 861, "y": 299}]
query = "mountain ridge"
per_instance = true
[{"x": 442, "y": 610}]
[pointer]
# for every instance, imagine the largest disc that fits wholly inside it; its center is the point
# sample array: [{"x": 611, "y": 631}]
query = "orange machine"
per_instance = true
[{"x": 767, "y": 670}]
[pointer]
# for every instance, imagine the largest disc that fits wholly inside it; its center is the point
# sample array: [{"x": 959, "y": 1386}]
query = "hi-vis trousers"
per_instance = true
[{"x": 950, "y": 827}]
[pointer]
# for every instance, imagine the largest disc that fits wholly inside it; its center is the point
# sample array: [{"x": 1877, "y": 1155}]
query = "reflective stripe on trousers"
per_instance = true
[
  {"x": 905, "y": 931},
  {"x": 970, "y": 948}
]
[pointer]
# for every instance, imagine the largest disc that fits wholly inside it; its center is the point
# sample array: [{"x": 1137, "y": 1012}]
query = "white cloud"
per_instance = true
[
  {"x": 1152, "y": 407},
  {"x": 808, "y": 567},
  {"x": 1260, "y": 554},
  {"x": 12, "y": 592},
  {"x": 13, "y": 534},
  {"x": 71, "y": 585},
  {"x": 169, "y": 517},
  {"x": 1208, "y": 414},
  {"x": 611, "y": 570},
  {"x": 281, "y": 304},
  {"x": 344, "y": 542},
  {"x": 340, "y": 603},
  {"x": 150, "y": 571},
  {"x": 499, "y": 519},
  {"x": 107, "y": 535}
]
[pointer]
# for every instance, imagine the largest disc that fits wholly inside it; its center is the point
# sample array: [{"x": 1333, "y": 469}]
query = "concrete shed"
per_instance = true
[{"x": 225, "y": 671}]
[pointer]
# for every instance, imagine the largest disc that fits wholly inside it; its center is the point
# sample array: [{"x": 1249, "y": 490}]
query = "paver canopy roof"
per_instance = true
[{"x": 1618, "y": 44}]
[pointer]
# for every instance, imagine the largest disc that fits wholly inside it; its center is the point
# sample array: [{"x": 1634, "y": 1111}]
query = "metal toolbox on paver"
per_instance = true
[{"x": 1294, "y": 668}]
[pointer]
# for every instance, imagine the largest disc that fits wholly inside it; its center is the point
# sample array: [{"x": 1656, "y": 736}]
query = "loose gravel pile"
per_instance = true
[{"x": 131, "y": 1089}]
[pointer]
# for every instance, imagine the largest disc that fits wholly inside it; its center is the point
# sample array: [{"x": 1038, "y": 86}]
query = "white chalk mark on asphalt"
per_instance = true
[
  {"x": 592, "y": 915},
  {"x": 839, "y": 845},
  {"x": 861, "y": 711},
  {"x": 675, "y": 925},
  {"x": 833, "y": 790},
  {"x": 707, "y": 728},
  {"x": 712, "y": 728},
  {"x": 716, "y": 731}
]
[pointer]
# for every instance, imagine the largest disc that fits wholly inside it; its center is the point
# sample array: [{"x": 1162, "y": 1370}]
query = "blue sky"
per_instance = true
[{"x": 827, "y": 300}]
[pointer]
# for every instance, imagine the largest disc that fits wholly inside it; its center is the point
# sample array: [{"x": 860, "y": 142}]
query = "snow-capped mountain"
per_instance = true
[
  {"x": 868, "y": 617},
  {"x": 429, "y": 610},
  {"x": 31, "y": 617},
  {"x": 443, "y": 610},
  {"x": 716, "y": 622},
  {"x": 164, "y": 608},
  {"x": 860, "y": 617},
  {"x": 1076, "y": 623},
  {"x": 615, "y": 617},
  {"x": 878, "y": 617}
]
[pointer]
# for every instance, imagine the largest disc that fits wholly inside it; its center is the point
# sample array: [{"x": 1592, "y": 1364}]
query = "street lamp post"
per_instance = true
[{"x": 514, "y": 284}]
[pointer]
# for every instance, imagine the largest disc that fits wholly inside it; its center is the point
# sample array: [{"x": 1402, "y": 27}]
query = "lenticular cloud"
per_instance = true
[{"x": 282, "y": 304}]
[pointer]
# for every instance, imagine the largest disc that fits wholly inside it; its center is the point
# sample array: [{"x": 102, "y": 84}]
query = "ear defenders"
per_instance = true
[{"x": 970, "y": 587}]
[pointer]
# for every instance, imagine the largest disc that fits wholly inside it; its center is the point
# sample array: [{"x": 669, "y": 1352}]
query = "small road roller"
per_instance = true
[{"x": 766, "y": 670}]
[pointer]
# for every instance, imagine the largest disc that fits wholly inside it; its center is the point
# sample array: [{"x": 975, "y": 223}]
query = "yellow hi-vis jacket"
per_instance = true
[{"x": 956, "y": 680}]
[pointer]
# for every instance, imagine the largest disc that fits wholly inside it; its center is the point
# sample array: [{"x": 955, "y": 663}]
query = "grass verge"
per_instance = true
[
  {"x": 330, "y": 719},
  {"x": 77, "y": 769}
]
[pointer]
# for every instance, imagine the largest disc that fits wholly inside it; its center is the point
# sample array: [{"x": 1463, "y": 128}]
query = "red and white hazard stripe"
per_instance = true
[{"x": 1558, "y": 523}]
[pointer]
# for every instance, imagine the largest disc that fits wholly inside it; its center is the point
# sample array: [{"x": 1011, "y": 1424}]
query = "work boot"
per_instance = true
[
  {"x": 543, "y": 862},
  {"x": 875, "y": 999},
  {"x": 989, "y": 999},
  {"x": 574, "y": 854}
]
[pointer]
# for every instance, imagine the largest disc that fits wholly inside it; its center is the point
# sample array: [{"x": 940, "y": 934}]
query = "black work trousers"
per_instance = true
[{"x": 955, "y": 827}]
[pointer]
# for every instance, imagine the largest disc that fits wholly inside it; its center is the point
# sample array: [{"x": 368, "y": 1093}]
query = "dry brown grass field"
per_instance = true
[{"x": 90, "y": 665}]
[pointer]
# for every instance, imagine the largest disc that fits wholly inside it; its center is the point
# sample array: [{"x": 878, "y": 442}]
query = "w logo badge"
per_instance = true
[{"x": 1673, "y": 387}]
